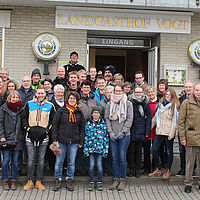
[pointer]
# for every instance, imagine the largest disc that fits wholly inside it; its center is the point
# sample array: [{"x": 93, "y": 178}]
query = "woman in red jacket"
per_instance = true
[{"x": 151, "y": 92}]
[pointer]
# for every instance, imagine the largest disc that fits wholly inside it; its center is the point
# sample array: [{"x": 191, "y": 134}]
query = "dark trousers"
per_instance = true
[
  {"x": 162, "y": 140},
  {"x": 134, "y": 156},
  {"x": 147, "y": 156}
]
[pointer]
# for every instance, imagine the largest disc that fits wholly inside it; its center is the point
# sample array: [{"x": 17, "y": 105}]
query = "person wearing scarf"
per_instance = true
[
  {"x": 140, "y": 129},
  {"x": 162, "y": 87},
  {"x": 68, "y": 130},
  {"x": 119, "y": 117},
  {"x": 10, "y": 130},
  {"x": 166, "y": 127}
]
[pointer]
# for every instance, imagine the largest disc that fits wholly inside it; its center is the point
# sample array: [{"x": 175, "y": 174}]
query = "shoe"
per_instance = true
[
  {"x": 157, "y": 172},
  {"x": 99, "y": 186},
  {"x": 194, "y": 173},
  {"x": 180, "y": 173},
  {"x": 57, "y": 185},
  {"x": 115, "y": 184},
  {"x": 39, "y": 186},
  {"x": 131, "y": 172},
  {"x": 28, "y": 185},
  {"x": 70, "y": 184},
  {"x": 6, "y": 185},
  {"x": 77, "y": 172},
  {"x": 166, "y": 175},
  {"x": 13, "y": 185},
  {"x": 121, "y": 185},
  {"x": 188, "y": 189},
  {"x": 91, "y": 186},
  {"x": 137, "y": 173}
]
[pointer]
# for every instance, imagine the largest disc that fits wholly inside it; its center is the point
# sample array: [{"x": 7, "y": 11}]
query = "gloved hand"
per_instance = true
[
  {"x": 113, "y": 136},
  {"x": 120, "y": 135}
]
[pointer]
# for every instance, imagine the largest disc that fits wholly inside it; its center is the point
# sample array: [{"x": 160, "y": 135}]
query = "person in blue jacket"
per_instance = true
[
  {"x": 99, "y": 93},
  {"x": 96, "y": 146}
]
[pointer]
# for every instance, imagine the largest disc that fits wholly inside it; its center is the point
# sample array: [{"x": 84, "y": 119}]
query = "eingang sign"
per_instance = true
[{"x": 122, "y": 21}]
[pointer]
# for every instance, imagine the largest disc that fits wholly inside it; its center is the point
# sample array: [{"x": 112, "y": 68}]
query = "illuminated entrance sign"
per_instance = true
[{"x": 123, "y": 21}]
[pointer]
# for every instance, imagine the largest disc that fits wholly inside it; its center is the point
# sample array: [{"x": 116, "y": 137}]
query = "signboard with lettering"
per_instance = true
[
  {"x": 91, "y": 19},
  {"x": 119, "y": 42}
]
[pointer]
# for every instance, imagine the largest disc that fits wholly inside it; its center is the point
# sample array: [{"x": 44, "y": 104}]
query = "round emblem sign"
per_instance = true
[
  {"x": 46, "y": 46},
  {"x": 194, "y": 51}
]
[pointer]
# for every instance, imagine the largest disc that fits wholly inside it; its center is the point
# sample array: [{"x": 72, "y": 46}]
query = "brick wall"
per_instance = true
[{"x": 26, "y": 24}]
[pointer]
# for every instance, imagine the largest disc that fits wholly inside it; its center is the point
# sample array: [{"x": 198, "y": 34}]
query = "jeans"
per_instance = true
[
  {"x": 98, "y": 159},
  {"x": 159, "y": 141},
  {"x": 71, "y": 150},
  {"x": 119, "y": 150},
  {"x": 33, "y": 153},
  {"x": 10, "y": 155}
]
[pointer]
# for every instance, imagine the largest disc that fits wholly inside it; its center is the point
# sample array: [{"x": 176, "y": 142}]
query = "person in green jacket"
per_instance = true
[{"x": 36, "y": 79}]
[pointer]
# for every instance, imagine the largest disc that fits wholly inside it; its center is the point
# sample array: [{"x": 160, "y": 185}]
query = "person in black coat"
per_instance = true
[
  {"x": 140, "y": 130},
  {"x": 10, "y": 130},
  {"x": 68, "y": 131},
  {"x": 26, "y": 92},
  {"x": 73, "y": 64}
]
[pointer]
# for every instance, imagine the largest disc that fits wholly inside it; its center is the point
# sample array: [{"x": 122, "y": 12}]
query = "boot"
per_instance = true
[
  {"x": 28, "y": 185},
  {"x": 70, "y": 184},
  {"x": 166, "y": 175},
  {"x": 5, "y": 185},
  {"x": 115, "y": 184},
  {"x": 157, "y": 172},
  {"x": 13, "y": 185},
  {"x": 121, "y": 185},
  {"x": 137, "y": 173},
  {"x": 39, "y": 186},
  {"x": 57, "y": 185},
  {"x": 131, "y": 172}
]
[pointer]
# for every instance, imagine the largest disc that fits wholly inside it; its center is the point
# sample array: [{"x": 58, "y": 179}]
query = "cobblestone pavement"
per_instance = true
[{"x": 142, "y": 188}]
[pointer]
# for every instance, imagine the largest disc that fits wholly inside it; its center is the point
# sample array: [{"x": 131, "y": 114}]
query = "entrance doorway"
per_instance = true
[{"x": 125, "y": 61}]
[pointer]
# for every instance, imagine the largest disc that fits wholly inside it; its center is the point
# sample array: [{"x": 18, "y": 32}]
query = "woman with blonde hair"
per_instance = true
[
  {"x": 10, "y": 130},
  {"x": 166, "y": 127}
]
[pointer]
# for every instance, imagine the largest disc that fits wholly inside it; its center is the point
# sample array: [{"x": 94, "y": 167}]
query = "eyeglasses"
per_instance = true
[
  {"x": 72, "y": 98},
  {"x": 168, "y": 94},
  {"x": 26, "y": 81}
]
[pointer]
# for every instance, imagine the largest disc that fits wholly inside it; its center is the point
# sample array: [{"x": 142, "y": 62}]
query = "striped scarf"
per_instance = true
[{"x": 71, "y": 109}]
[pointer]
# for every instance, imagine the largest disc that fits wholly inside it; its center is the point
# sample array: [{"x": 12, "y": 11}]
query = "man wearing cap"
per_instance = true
[
  {"x": 36, "y": 79},
  {"x": 73, "y": 63},
  {"x": 108, "y": 74}
]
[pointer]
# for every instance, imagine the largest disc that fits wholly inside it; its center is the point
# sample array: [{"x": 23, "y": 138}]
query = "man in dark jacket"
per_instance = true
[
  {"x": 73, "y": 63},
  {"x": 36, "y": 120},
  {"x": 60, "y": 78},
  {"x": 26, "y": 92},
  {"x": 189, "y": 87}
]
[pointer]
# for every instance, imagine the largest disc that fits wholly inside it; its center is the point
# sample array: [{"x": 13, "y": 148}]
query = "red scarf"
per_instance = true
[
  {"x": 71, "y": 109},
  {"x": 14, "y": 107}
]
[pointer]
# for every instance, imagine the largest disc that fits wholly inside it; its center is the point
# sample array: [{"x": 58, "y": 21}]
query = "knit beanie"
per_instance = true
[
  {"x": 111, "y": 69},
  {"x": 36, "y": 71},
  {"x": 73, "y": 52},
  {"x": 97, "y": 108}
]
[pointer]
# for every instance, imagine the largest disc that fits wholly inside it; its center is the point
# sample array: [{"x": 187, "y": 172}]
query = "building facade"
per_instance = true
[{"x": 141, "y": 35}]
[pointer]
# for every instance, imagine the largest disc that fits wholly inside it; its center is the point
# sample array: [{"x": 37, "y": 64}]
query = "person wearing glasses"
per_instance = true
[
  {"x": 139, "y": 79},
  {"x": 4, "y": 74},
  {"x": 166, "y": 127}
]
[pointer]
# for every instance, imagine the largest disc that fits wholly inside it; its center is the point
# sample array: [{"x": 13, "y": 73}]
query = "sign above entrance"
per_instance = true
[
  {"x": 115, "y": 20},
  {"x": 119, "y": 42}
]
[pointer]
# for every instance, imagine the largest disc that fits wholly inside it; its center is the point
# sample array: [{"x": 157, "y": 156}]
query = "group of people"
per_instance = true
[{"x": 99, "y": 117}]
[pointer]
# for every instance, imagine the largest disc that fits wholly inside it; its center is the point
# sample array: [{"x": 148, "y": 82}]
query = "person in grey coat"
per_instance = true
[{"x": 119, "y": 118}]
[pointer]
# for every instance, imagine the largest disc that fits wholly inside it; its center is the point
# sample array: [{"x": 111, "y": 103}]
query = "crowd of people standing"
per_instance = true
[{"x": 80, "y": 120}]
